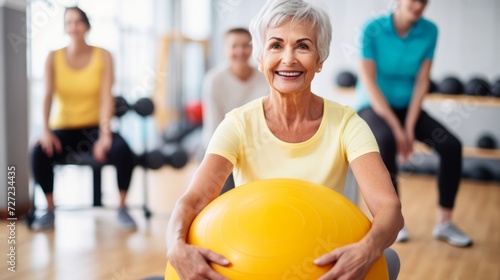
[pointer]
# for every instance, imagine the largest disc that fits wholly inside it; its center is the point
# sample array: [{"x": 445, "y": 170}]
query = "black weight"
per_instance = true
[
  {"x": 487, "y": 141},
  {"x": 346, "y": 79},
  {"x": 121, "y": 106},
  {"x": 495, "y": 89},
  {"x": 144, "y": 107},
  {"x": 432, "y": 86},
  {"x": 175, "y": 156},
  {"x": 478, "y": 87},
  {"x": 154, "y": 159},
  {"x": 451, "y": 85},
  {"x": 481, "y": 173}
]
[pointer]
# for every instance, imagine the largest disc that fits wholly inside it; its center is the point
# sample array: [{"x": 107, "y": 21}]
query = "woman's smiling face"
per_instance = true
[{"x": 290, "y": 58}]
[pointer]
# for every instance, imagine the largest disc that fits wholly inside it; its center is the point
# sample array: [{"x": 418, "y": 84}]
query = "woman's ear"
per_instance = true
[
  {"x": 259, "y": 66},
  {"x": 319, "y": 68}
]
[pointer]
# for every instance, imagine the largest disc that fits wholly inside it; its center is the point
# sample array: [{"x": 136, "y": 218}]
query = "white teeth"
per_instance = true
[{"x": 289, "y": 74}]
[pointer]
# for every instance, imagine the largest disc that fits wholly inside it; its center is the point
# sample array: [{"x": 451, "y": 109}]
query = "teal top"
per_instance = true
[{"x": 397, "y": 60}]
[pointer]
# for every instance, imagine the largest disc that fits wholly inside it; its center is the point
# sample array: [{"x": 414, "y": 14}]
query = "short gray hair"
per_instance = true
[{"x": 275, "y": 12}]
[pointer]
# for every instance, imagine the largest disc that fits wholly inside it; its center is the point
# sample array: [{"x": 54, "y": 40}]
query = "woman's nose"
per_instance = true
[{"x": 289, "y": 57}]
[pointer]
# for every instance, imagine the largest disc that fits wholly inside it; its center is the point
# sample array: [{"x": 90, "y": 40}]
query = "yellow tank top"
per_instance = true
[{"x": 77, "y": 92}]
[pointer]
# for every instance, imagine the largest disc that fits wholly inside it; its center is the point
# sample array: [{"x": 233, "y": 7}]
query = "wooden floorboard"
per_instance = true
[{"x": 88, "y": 243}]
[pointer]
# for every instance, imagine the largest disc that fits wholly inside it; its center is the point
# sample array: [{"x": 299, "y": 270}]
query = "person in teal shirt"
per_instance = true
[{"x": 396, "y": 58}]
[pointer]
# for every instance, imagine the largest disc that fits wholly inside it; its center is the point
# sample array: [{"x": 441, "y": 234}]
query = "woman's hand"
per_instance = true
[
  {"x": 101, "y": 147},
  {"x": 191, "y": 262},
  {"x": 404, "y": 144},
  {"x": 49, "y": 142},
  {"x": 349, "y": 262},
  {"x": 410, "y": 135}
]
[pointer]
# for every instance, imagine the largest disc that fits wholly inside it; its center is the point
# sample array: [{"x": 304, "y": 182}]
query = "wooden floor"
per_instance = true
[{"x": 88, "y": 244}]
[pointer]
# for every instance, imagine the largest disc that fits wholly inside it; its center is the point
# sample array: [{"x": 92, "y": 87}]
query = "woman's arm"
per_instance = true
[
  {"x": 381, "y": 107},
  {"x": 376, "y": 187},
  {"x": 103, "y": 144},
  {"x": 190, "y": 261},
  {"x": 49, "y": 141},
  {"x": 420, "y": 90},
  {"x": 381, "y": 198}
]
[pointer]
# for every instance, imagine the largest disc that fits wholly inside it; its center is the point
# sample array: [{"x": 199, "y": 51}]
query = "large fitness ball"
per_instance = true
[
  {"x": 478, "y": 86},
  {"x": 451, "y": 85},
  {"x": 346, "y": 79},
  {"x": 275, "y": 228}
]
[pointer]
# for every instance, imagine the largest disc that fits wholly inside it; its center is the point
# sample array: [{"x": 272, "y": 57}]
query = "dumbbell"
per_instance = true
[
  {"x": 174, "y": 156},
  {"x": 451, "y": 85},
  {"x": 480, "y": 173},
  {"x": 487, "y": 141},
  {"x": 346, "y": 79},
  {"x": 495, "y": 89},
  {"x": 477, "y": 86},
  {"x": 121, "y": 106},
  {"x": 432, "y": 86},
  {"x": 144, "y": 106}
]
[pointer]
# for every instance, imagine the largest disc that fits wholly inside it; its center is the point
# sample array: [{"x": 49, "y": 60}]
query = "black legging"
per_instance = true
[
  {"x": 432, "y": 133},
  {"x": 75, "y": 143}
]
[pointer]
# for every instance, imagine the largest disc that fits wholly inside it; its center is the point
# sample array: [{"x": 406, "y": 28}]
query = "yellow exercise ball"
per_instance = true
[{"x": 276, "y": 228}]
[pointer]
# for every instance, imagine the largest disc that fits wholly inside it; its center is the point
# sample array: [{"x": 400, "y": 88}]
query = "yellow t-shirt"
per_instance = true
[
  {"x": 245, "y": 140},
  {"x": 77, "y": 92}
]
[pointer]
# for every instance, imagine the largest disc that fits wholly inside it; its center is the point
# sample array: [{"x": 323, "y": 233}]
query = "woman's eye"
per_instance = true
[
  {"x": 303, "y": 47},
  {"x": 275, "y": 46}
]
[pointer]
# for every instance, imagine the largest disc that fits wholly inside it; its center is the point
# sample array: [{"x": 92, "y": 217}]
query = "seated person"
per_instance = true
[
  {"x": 80, "y": 77},
  {"x": 229, "y": 86}
]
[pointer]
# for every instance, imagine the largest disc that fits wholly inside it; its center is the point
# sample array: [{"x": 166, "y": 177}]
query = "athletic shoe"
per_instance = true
[
  {"x": 402, "y": 235},
  {"x": 125, "y": 220},
  {"x": 45, "y": 222},
  {"x": 450, "y": 233}
]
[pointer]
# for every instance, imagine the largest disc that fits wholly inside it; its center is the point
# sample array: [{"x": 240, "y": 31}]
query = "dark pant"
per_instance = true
[
  {"x": 430, "y": 132},
  {"x": 228, "y": 185},
  {"x": 75, "y": 144}
]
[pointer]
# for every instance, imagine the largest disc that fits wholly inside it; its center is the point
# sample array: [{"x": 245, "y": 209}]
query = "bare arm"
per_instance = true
[
  {"x": 354, "y": 261},
  {"x": 382, "y": 201},
  {"x": 379, "y": 104},
  {"x": 103, "y": 144},
  {"x": 205, "y": 186},
  {"x": 49, "y": 90},
  {"x": 107, "y": 102},
  {"x": 48, "y": 140},
  {"x": 420, "y": 90}
]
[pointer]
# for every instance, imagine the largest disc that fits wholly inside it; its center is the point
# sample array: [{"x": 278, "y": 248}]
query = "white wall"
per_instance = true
[{"x": 468, "y": 44}]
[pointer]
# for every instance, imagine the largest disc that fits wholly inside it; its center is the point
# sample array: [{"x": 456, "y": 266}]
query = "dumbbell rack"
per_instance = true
[
  {"x": 468, "y": 116},
  {"x": 483, "y": 109}
]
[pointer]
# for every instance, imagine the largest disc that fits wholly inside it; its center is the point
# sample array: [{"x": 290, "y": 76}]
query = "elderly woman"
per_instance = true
[{"x": 286, "y": 134}]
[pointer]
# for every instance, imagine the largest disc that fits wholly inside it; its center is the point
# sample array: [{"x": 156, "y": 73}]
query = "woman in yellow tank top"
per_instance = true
[{"x": 79, "y": 78}]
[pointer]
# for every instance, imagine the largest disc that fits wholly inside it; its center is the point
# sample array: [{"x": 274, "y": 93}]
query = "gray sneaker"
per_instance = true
[
  {"x": 45, "y": 222},
  {"x": 125, "y": 220},
  {"x": 450, "y": 233},
  {"x": 402, "y": 235}
]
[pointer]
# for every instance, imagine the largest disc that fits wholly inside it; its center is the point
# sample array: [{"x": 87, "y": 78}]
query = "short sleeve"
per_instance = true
[
  {"x": 357, "y": 137},
  {"x": 433, "y": 32},
  {"x": 226, "y": 140},
  {"x": 367, "y": 43}
]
